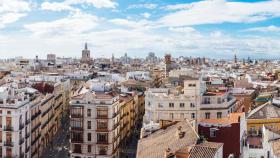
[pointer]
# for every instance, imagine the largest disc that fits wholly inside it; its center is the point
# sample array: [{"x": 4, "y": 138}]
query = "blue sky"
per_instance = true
[{"x": 210, "y": 28}]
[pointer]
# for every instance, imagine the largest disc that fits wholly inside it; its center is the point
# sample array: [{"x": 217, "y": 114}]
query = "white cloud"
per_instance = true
[
  {"x": 270, "y": 28},
  {"x": 14, "y": 6},
  {"x": 178, "y": 6},
  {"x": 68, "y": 4},
  {"x": 12, "y": 10},
  {"x": 220, "y": 11},
  {"x": 95, "y": 3},
  {"x": 182, "y": 29},
  {"x": 75, "y": 23},
  {"x": 146, "y": 15},
  {"x": 65, "y": 36},
  {"x": 144, "y": 5},
  {"x": 55, "y": 6},
  {"x": 141, "y": 25}
]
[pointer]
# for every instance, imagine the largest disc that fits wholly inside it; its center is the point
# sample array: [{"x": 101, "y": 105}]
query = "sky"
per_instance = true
[{"x": 206, "y": 28}]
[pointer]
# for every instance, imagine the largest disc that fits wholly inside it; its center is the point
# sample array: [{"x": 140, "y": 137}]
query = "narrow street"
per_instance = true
[
  {"x": 129, "y": 150},
  {"x": 60, "y": 146}
]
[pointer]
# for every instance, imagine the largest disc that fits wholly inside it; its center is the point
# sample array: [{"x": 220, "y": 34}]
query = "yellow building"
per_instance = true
[{"x": 267, "y": 114}]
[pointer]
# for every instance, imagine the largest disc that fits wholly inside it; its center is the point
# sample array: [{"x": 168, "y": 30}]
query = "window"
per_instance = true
[
  {"x": 192, "y": 105},
  {"x": 206, "y": 100},
  {"x": 88, "y": 112},
  {"x": 103, "y": 150},
  {"x": 76, "y": 137},
  {"x": 77, "y": 148},
  {"x": 182, "y": 115},
  {"x": 9, "y": 137},
  {"x": 193, "y": 115},
  {"x": 89, "y": 124},
  {"x": 102, "y": 124},
  {"x": 207, "y": 115},
  {"x": 76, "y": 112},
  {"x": 192, "y": 85},
  {"x": 213, "y": 132},
  {"x": 171, "y": 105},
  {"x": 89, "y": 149},
  {"x": 149, "y": 103},
  {"x": 219, "y": 100},
  {"x": 182, "y": 105},
  {"x": 102, "y": 137},
  {"x": 160, "y": 105},
  {"x": 171, "y": 116},
  {"x": 102, "y": 113},
  {"x": 8, "y": 112},
  {"x": 9, "y": 152},
  {"x": 0, "y": 121},
  {"x": 89, "y": 137},
  {"x": 76, "y": 123},
  {"x": 219, "y": 114}
]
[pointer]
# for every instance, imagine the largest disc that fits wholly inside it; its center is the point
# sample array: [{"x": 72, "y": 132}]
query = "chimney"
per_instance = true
[
  {"x": 180, "y": 133},
  {"x": 168, "y": 153}
]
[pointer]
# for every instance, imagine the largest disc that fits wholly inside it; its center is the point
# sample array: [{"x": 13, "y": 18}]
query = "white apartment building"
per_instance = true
[
  {"x": 15, "y": 120},
  {"x": 94, "y": 125},
  {"x": 192, "y": 102}
]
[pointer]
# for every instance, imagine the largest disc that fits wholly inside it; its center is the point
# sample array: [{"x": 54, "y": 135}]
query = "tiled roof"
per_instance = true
[
  {"x": 205, "y": 150},
  {"x": 155, "y": 145},
  {"x": 275, "y": 144},
  {"x": 265, "y": 111}
]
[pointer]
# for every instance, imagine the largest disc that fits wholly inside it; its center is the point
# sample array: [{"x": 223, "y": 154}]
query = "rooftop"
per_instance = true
[
  {"x": 155, "y": 145},
  {"x": 265, "y": 111},
  {"x": 205, "y": 150}
]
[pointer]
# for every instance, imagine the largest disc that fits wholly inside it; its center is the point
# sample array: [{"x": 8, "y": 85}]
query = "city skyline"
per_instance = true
[{"x": 210, "y": 28}]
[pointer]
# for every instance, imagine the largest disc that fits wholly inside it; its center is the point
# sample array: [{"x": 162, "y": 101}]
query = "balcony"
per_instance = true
[
  {"x": 8, "y": 144},
  {"x": 76, "y": 115},
  {"x": 21, "y": 126},
  {"x": 77, "y": 150},
  {"x": 36, "y": 115},
  {"x": 21, "y": 141},
  {"x": 27, "y": 135},
  {"x": 116, "y": 125},
  {"x": 102, "y": 129},
  {"x": 77, "y": 140},
  {"x": 36, "y": 127},
  {"x": 36, "y": 139},
  {"x": 9, "y": 156},
  {"x": 34, "y": 152},
  {"x": 21, "y": 155},
  {"x": 27, "y": 121},
  {"x": 8, "y": 128},
  {"x": 116, "y": 114},
  {"x": 102, "y": 142},
  {"x": 76, "y": 128},
  {"x": 102, "y": 116},
  {"x": 27, "y": 149},
  {"x": 117, "y": 136}
]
